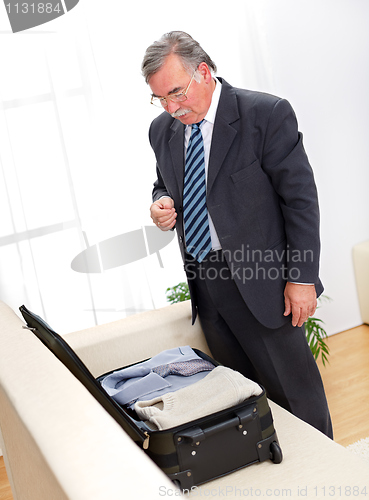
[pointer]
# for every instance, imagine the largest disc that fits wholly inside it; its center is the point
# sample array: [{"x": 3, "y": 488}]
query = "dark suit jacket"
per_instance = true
[{"x": 261, "y": 195}]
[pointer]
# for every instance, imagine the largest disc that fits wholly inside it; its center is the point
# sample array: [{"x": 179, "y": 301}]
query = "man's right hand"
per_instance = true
[{"x": 163, "y": 213}]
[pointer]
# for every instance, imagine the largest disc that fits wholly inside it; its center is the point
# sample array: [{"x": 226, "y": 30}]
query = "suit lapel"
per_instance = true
[
  {"x": 176, "y": 147},
  {"x": 222, "y": 139},
  {"x": 223, "y": 132}
]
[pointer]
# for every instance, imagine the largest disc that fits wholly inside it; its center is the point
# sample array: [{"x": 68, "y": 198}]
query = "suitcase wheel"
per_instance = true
[{"x": 275, "y": 453}]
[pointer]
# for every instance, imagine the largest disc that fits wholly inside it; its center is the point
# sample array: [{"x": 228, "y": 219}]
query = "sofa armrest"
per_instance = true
[
  {"x": 59, "y": 442},
  {"x": 110, "y": 346}
]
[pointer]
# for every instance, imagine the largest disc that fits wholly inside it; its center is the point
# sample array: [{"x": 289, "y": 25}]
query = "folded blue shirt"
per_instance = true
[{"x": 140, "y": 383}]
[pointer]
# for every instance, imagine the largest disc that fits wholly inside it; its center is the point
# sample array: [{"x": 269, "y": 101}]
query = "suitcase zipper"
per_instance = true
[{"x": 145, "y": 444}]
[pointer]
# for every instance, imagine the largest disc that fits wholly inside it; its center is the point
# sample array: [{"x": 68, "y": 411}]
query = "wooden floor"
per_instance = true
[
  {"x": 5, "y": 491},
  {"x": 346, "y": 381}
]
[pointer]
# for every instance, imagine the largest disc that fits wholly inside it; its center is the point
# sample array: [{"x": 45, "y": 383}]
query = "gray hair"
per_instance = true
[{"x": 179, "y": 43}]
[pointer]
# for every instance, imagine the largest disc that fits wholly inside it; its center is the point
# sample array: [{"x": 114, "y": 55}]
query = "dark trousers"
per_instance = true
[{"x": 278, "y": 359}]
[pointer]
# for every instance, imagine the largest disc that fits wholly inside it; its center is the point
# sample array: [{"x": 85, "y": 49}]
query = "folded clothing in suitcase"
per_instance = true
[
  {"x": 177, "y": 386},
  {"x": 190, "y": 453}
]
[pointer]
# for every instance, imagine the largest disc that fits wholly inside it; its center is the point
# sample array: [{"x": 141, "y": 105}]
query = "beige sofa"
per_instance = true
[{"x": 59, "y": 443}]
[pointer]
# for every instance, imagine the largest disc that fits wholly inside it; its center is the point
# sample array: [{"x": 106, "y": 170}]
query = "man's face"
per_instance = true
[{"x": 172, "y": 78}]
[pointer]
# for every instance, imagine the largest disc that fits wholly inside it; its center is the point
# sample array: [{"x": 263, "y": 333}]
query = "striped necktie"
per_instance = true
[{"x": 195, "y": 213}]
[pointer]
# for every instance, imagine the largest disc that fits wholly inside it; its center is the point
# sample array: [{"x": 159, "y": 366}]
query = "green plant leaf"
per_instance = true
[
  {"x": 315, "y": 335},
  {"x": 178, "y": 293}
]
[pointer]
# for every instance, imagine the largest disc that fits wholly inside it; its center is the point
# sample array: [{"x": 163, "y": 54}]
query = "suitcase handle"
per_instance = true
[{"x": 197, "y": 434}]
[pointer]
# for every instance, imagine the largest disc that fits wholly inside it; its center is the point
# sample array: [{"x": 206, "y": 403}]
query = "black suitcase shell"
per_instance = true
[{"x": 192, "y": 453}]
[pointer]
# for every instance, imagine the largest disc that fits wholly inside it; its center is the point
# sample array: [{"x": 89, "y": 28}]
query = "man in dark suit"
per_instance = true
[{"x": 256, "y": 282}]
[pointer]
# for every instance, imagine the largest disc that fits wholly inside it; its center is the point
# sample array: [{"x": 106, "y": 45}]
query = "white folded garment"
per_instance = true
[{"x": 220, "y": 389}]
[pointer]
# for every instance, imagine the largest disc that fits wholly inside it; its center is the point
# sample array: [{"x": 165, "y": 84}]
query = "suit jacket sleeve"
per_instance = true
[
  {"x": 159, "y": 189},
  {"x": 285, "y": 161}
]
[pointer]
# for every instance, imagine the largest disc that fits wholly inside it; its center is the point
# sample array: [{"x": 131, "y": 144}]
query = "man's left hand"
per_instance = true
[{"x": 300, "y": 300}]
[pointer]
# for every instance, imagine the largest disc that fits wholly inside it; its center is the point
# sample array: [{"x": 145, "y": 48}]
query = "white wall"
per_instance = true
[{"x": 74, "y": 115}]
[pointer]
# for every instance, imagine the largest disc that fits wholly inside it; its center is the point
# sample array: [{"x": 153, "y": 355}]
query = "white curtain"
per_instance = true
[{"x": 76, "y": 167}]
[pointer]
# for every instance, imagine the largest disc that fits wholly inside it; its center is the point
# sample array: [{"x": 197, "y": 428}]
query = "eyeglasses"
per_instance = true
[{"x": 180, "y": 97}]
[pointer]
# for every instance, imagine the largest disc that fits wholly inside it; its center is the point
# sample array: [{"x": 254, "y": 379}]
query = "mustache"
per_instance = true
[{"x": 180, "y": 112}]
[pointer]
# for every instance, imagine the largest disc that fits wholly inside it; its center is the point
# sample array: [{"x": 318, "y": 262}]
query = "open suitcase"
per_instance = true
[{"x": 192, "y": 453}]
